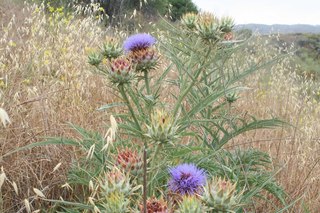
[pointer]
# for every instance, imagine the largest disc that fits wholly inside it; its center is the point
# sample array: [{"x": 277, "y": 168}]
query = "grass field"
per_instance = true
[{"x": 46, "y": 84}]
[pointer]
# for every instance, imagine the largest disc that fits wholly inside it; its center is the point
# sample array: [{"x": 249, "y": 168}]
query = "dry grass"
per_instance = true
[
  {"x": 46, "y": 83},
  {"x": 280, "y": 92}
]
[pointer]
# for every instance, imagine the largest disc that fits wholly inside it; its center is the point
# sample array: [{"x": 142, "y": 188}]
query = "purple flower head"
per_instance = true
[
  {"x": 186, "y": 179},
  {"x": 138, "y": 41}
]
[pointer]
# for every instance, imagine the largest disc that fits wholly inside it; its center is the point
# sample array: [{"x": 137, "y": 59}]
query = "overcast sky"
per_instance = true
[{"x": 265, "y": 11}]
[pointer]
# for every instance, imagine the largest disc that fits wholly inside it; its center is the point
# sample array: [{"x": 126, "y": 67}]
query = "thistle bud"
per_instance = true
[
  {"x": 129, "y": 161},
  {"x": 189, "y": 20},
  {"x": 162, "y": 128},
  {"x": 221, "y": 195},
  {"x": 231, "y": 98},
  {"x": 115, "y": 181},
  {"x": 226, "y": 24},
  {"x": 111, "y": 48},
  {"x": 121, "y": 70},
  {"x": 207, "y": 26},
  {"x": 116, "y": 202},
  {"x": 155, "y": 205},
  {"x": 190, "y": 204},
  {"x": 94, "y": 59}
]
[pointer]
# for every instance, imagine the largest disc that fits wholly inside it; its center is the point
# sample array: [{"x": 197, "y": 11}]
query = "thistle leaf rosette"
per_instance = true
[
  {"x": 111, "y": 48},
  {"x": 190, "y": 204},
  {"x": 162, "y": 128},
  {"x": 221, "y": 195},
  {"x": 120, "y": 70},
  {"x": 187, "y": 179}
]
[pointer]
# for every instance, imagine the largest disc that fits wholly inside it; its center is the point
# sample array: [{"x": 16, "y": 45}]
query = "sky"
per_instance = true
[{"x": 265, "y": 11}]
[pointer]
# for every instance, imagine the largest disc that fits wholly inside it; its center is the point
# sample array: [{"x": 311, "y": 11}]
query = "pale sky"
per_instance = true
[{"x": 265, "y": 11}]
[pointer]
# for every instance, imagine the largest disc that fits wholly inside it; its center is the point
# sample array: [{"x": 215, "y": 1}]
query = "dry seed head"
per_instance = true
[
  {"x": 15, "y": 187},
  {"x": 39, "y": 193},
  {"x": 27, "y": 205},
  {"x": 56, "y": 167},
  {"x": 155, "y": 205},
  {"x": 114, "y": 127},
  {"x": 2, "y": 178},
  {"x": 91, "y": 151},
  {"x": 4, "y": 117}
]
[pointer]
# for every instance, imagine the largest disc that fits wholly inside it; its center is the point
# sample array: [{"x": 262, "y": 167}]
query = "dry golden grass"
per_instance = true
[
  {"x": 280, "y": 92},
  {"x": 45, "y": 82}
]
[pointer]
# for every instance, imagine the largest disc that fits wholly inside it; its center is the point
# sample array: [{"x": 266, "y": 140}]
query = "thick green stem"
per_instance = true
[
  {"x": 153, "y": 162},
  {"x": 145, "y": 178},
  {"x": 125, "y": 97},
  {"x": 146, "y": 79}
]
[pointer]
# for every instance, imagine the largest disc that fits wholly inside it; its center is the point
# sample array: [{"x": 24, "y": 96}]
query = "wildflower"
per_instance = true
[
  {"x": 155, "y": 205},
  {"x": 138, "y": 42},
  {"x": 162, "y": 128},
  {"x": 187, "y": 179},
  {"x": 221, "y": 195},
  {"x": 120, "y": 70}
]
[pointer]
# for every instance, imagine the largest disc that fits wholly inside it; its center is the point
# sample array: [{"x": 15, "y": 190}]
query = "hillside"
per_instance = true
[{"x": 280, "y": 28}]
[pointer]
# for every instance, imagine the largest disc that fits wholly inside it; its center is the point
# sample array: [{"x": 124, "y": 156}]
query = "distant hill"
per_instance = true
[{"x": 281, "y": 28}]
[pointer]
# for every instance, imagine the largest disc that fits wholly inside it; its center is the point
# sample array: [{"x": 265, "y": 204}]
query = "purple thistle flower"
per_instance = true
[
  {"x": 138, "y": 41},
  {"x": 186, "y": 179}
]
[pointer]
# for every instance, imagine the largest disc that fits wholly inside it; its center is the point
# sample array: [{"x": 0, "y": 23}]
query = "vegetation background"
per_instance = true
[{"x": 45, "y": 83}]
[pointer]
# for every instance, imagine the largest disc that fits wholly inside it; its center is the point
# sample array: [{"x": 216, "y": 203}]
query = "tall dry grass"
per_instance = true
[
  {"x": 280, "y": 92},
  {"x": 45, "y": 83}
]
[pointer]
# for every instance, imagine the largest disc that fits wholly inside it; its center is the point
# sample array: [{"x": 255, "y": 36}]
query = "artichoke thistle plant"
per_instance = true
[{"x": 182, "y": 146}]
